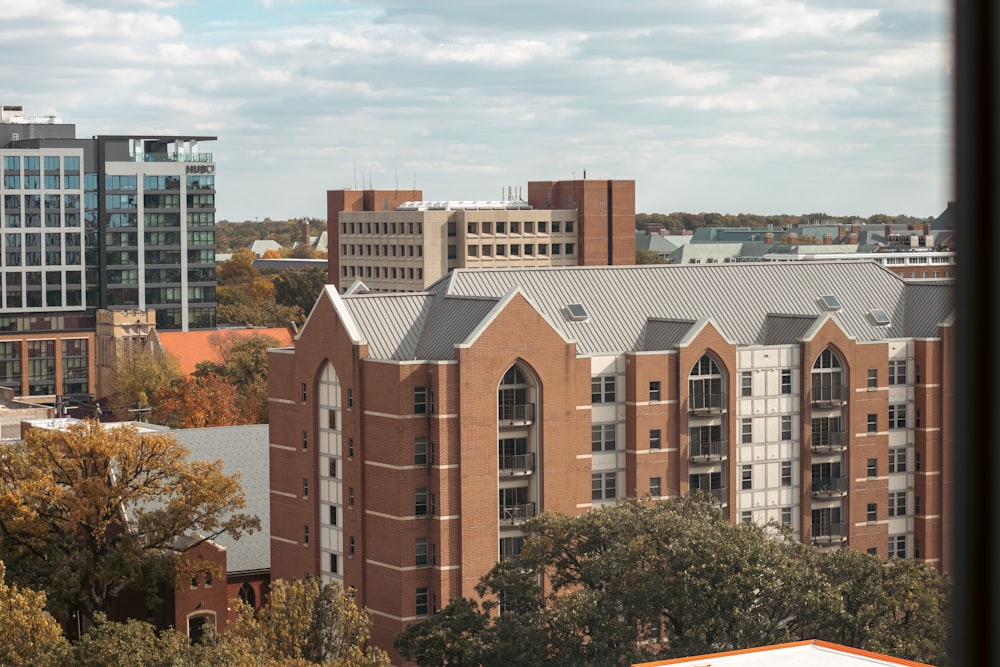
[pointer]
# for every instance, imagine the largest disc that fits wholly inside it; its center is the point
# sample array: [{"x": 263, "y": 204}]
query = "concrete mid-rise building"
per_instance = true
[
  {"x": 393, "y": 240},
  {"x": 413, "y": 433}
]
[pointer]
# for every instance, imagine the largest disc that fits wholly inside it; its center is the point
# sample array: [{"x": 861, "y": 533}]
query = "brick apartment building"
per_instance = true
[
  {"x": 411, "y": 434},
  {"x": 392, "y": 240}
]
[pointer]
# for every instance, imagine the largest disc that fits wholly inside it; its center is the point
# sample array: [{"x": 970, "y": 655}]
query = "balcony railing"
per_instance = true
[
  {"x": 830, "y": 486},
  {"x": 705, "y": 404},
  {"x": 517, "y": 513},
  {"x": 708, "y": 450},
  {"x": 829, "y": 533},
  {"x": 835, "y": 441},
  {"x": 521, "y": 414},
  {"x": 170, "y": 157},
  {"x": 517, "y": 464},
  {"x": 829, "y": 395}
]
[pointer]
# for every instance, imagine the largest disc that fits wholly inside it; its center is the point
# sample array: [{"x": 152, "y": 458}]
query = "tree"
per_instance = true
[
  {"x": 300, "y": 288},
  {"x": 29, "y": 636},
  {"x": 139, "y": 374},
  {"x": 137, "y": 644},
  {"x": 643, "y": 256},
  {"x": 199, "y": 402},
  {"x": 304, "y": 622},
  {"x": 642, "y": 580},
  {"x": 244, "y": 364},
  {"x": 102, "y": 509},
  {"x": 237, "y": 269}
]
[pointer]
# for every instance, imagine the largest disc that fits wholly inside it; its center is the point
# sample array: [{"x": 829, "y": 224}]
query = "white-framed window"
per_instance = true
[
  {"x": 897, "y": 546},
  {"x": 746, "y": 431},
  {"x": 603, "y": 437},
  {"x": 422, "y": 602},
  {"x": 786, "y": 473},
  {"x": 602, "y": 389},
  {"x": 420, "y": 501},
  {"x": 897, "y": 415},
  {"x": 656, "y": 486},
  {"x": 786, "y": 380},
  {"x": 420, "y": 551},
  {"x": 746, "y": 477},
  {"x": 897, "y": 503},
  {"x": 705, "y": 384},
  {"x": 786, "y": 427},
  {"x": 897, "y": 459},
  {"x": 786, "y": 516},
  {"x": 897, "y": 372},
  {"x": 603, "y": 485},
  {"x": 655, "y": 438},
  {"x": 746, "y": 383},
  {"x": 654, "y": 390}
]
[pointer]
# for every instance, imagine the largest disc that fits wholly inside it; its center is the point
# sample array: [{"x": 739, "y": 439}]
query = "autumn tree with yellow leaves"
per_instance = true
[{"x": 90, "y": 511}]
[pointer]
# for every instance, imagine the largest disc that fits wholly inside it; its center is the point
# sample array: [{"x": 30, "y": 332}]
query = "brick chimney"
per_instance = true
[
  {"x": 305, "y": 232},
  {"x": 841, "y": 233},
  {"x": 768, "y": 237},
  {"x": 793, "y": 237},
  {"x": 827, "y": 238},
  {"x": 852, "y": 238}
]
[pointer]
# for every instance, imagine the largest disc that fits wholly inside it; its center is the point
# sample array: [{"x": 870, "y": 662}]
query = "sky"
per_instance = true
[{"x": 729, "y": 106}]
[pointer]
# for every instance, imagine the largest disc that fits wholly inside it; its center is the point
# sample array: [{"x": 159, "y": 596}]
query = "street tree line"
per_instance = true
[{"x": 643, "y": 580}]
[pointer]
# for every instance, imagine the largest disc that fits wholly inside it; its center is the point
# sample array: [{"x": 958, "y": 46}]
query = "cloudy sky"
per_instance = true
[{"x": 751, "y": 106}]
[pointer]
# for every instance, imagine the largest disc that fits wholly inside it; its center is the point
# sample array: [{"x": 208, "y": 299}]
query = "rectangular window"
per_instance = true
[
  {"x": 872, "y": 467},
  {"x": 350, "y": 448},
  {"x": 897, "y": 503},
  {"x": 420, "y": 452},
  {"x": 786, "y": 381},
  {"x": 304, "y": 394},
  {"x": 334, "y": 564},
  {"x": 305, "y": 440},
  {"x": 420, "y": 551},
  {"x": 872, "y": 378},
  {"x": 897, "y": 459},
  {"x": 350, "y": 496},
  {"x": 603, "y": 485},
  {"x": 333, "y": 515},
  {"x": 897, "y": 546},
  {"x": 746, "y": 477},
  {"x": 602, "y": 389},
  {"x": 350, "y": 398},
  {"x": 655, "y": 487},
  {"x": 897, "y": 372},
  {"x": 654, "y": 390},
  {"x": 602, "y": 437},
  {"x": 332, "y": 467},
  {"x": 746, "y": 431},
  {"x": 420, "y": 400},
  {"x": 746, "y": 383},
  {"x": 746, "y": 516},
  {"x": 305, "y": 535},
  {"x": 786, "y": 516},
  {"x": 872, "y": 423},
  {"x": 420, "y": 501},
  {"x": 350, "y": 546},
  {"x": 786, "y": 473},
  {"x": 872, "y": 512},
  {"x": 786, "y": 427},
  {"x": 423, "y": 602},
  {"x": 897, "y": 416},
  {"x": 305, "y": 487},
  {"x": 654, "y": 438}
]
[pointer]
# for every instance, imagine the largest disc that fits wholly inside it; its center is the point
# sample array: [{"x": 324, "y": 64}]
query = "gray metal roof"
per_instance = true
[
  {"x": 752, "y": 303},
  {"x": 665, "y": 334},
  {"x": 242, "y": 449}
]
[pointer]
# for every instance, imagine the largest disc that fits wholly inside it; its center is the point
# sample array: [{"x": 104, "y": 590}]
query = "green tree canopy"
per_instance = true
[
  {"x": 299, "y": 288},
  {"x": 91, "y": 510},
  {"x": 139, "y": 374},
  {"x": 642, "y": 580},
  {"x": 29, "y": 636}
]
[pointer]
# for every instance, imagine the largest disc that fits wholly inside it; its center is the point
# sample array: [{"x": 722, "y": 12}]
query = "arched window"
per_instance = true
[
  {"x": 705, "y": 385},
  {"x": 248, "y": 595},
  {"x": 512, "y": 397},
  {"x": 828, "y": 378}
]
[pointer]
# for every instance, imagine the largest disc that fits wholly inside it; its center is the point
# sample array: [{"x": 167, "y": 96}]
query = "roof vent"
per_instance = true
[
  {"x": 577, "y": 312},
  {"x": 830, "y": 302},
  {"x": 879, "y": 317}
]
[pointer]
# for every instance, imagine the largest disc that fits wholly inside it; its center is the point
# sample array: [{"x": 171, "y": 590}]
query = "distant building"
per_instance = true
[
  {"x": 412, "y": 433},
  {"x": 112, "y": 222},
  {"x": 396, "y": 241}
]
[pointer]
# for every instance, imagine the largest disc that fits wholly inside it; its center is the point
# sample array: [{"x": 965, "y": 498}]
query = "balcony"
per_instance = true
[
  {"x": 714, "y": 496},
  {"x": 515, "y": 514},
  {"x": 516, "y": 415},
  {"x": 170, "y": 157},
  {"x": 707, "y": 404},
  {"x": 829, "y": 487},
  {"x": 517, "y": 464},
  {"x": 835, "y": 533},
  {"x": 830, "y": 442},
  {"x": 829, "y": 396},
  {"x": 705, "y": 451}
]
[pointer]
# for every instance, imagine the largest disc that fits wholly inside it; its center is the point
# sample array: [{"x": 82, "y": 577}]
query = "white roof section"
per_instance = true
[
  {"x": 810, "y": 653},
  {"x": 639, "y": 308},
  {"x": 499, "y": 205}
]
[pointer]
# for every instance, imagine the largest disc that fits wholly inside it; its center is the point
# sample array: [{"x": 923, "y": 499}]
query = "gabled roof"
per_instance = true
[
  {"x": 244, "y": 450},
  {"x": 192, "y": 347},
  {"x": 635, "y": 308},
  {"x": 807, "y": 653}
]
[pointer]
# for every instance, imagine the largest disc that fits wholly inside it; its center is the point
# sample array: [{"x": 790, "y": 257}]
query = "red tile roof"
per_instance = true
[{"x": 192, "y": 347}]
